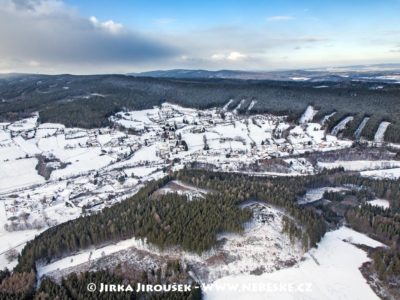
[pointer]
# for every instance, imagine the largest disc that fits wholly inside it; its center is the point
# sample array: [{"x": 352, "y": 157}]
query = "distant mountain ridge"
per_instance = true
[
  {"x": 227, "y": 74},
  {"x": 378, "y": 72}
]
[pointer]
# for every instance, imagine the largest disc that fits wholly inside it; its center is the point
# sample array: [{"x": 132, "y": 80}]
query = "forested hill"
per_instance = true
[{"x": 88, "y": 101}]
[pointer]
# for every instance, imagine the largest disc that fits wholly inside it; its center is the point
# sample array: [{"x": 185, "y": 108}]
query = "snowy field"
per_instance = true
[
  {"x": 360, "y": 165},
  {"x": 313, "y": 195},
  {"x": 19, "y": 173},
  {"x": 389, "y": 169},
  {"x": 385, "y": 173},
  {"x": 11, "y": 240},
  {"x": 329, "y": 272}
]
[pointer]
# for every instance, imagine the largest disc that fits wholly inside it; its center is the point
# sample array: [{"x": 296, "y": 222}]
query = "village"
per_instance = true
[{"x": 51, "y": 174}]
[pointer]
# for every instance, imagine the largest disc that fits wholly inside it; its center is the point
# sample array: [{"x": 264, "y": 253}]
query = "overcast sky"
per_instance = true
[{"x": 105, "y": 36}]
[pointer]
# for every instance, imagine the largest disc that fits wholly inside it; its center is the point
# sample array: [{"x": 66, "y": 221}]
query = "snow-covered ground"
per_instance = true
[
  {"x": 327, "y": 117},
  {"x": 263, "y": 247},
  {"x": 11, "y": 240},
  {"x": 341, "y": 125},
  {"x": 384, "y": 173},
  {"x": 313, "y": 195},
  {"x": 308, "y": 115},
  {"x": 300, "y": 78},
  {"x": 19, "y": 173},
  {"x": 182, "y": 188},
  {"x": 252, "y": 104},
  {"x": 330, "y": 271},
  {"x": 380, "y": 202},
  {"x": 389, "y": 169},
  {"x": 239, "y": 106},
  {"x": 360, "y": 165},
  {"x": 226, "y": 106},
  {"x": 357, "y": 133},
  {"x": 88, "y": 255},
  {"x": 380, "y": 133}
]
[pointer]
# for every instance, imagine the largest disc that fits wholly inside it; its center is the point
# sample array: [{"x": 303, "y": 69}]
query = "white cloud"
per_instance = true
[
  {"x": 280, "y": 18},
  {"x": 232, "y": 56},
  {"x": 108, "y": 25},
  {"x": 236, "y": 56},
  {"x": 48, "y": 36},
  {"x": 218, "y": 56}
]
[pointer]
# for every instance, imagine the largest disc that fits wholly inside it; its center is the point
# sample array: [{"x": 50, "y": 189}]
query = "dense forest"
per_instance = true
[
  {"x": 382, "y": 224},
  {"x": 88, "y": 101},
  {"x": 307, "y": 226},
  {"x": 386, "y": 264}
]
